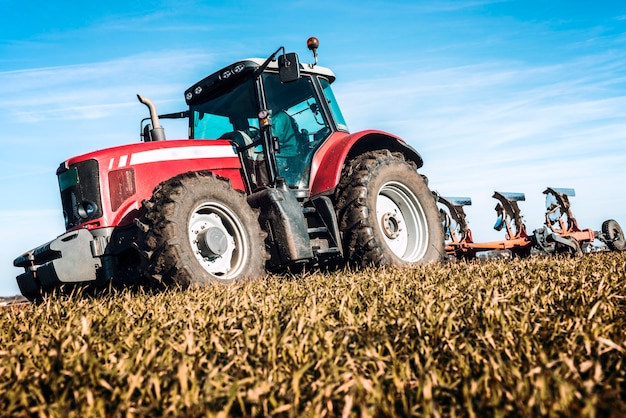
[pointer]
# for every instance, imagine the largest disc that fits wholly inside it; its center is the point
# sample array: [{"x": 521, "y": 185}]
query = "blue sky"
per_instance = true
[{"x": 496, "y": 95}]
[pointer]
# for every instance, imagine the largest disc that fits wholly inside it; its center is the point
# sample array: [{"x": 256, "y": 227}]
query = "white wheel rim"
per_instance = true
[
  {"x": 229, "y": 263},
  {"x": 402, "y": 221}
]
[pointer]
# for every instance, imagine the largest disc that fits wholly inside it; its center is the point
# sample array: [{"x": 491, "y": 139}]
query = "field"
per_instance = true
[{"x": 544, "y": 336}]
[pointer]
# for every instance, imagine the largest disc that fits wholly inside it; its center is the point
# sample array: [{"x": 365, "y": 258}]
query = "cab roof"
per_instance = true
[{"x": 228, "y": 76}]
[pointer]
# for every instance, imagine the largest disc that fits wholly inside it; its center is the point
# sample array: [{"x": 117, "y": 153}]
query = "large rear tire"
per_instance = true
[
  {"x": 199, "y": 230},
  {"x": 614, "y": 235},
  {"x": 386, "y": 212}
]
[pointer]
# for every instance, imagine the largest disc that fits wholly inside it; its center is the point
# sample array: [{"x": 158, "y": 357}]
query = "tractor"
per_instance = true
[{"x": 269, "y": 180}]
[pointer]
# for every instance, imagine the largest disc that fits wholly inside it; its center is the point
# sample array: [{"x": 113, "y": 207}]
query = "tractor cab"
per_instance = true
[
  {"x": 173, "y": 212},
  {"x": 277, "y": 112}
]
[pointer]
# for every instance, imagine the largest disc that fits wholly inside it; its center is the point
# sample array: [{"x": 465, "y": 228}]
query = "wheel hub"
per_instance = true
[
  {"x": 212, "y": 242},
  {"x": 390, "y": 225},
  {"x": 401, "y": 221}
]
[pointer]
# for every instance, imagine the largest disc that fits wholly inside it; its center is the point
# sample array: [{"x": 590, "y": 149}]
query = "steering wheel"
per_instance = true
[
  {"x": 321, "y": 134},
  {"x": 253, "y": 132}
]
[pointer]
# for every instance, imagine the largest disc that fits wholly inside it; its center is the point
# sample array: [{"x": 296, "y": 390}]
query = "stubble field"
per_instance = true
[{"x": 544, "y": 336}]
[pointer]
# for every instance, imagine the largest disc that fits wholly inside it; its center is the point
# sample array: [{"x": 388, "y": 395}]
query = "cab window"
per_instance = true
[
  {"x": 233, "y": 110},
  {"x": 298, "y": 123}
]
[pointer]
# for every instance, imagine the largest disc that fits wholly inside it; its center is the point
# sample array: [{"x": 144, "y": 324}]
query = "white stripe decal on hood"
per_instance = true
[{"x": 183, "y": 153}]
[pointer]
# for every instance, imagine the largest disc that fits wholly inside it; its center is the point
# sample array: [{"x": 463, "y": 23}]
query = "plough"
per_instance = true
[{"x": 559, "y": 234}]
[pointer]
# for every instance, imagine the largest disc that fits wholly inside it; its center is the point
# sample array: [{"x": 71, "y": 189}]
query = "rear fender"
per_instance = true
[{"x": 329, "y": 160}]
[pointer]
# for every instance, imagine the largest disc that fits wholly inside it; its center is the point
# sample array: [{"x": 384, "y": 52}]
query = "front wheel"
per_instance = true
[
  {"x": 199, "y": 230},
  {"x": 387, "y": 214}
]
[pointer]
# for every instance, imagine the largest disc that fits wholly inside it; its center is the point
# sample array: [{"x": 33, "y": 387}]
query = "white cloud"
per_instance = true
[{"x": 95, "y": 90}]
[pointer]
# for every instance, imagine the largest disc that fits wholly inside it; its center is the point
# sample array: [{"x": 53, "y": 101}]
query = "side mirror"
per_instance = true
[{"x": 289, "y": 67}]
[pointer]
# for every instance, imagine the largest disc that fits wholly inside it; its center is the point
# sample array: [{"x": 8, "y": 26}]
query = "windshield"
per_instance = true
[
  {"x": 234, "y": 110},
  {"x": 332, "y": 104},
  {"x": 233, "y": 115}
]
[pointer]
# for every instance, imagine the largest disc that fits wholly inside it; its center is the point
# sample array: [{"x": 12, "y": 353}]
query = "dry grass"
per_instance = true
[{"x": 509, "y": 338}]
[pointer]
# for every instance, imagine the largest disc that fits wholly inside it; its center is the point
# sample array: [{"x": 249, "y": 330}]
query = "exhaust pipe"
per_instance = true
[{"x": 157, "y": 133}]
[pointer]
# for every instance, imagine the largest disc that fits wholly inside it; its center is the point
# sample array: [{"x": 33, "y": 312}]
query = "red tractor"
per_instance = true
[{"x": 269, "y": 179}]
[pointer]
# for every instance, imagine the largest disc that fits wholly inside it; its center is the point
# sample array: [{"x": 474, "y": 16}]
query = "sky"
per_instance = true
[{"x": 508, "y": 95}]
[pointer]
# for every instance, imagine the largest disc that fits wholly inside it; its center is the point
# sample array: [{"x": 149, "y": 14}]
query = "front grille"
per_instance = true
[{"x": 80, "y": 192}]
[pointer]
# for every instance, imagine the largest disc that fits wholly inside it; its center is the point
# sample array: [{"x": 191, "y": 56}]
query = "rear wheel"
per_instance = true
[
  {"x": 199, "y": 230},
  {"x": 614, "y": 235},
  {"x": 386, "y": 212}
]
